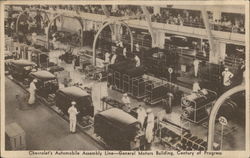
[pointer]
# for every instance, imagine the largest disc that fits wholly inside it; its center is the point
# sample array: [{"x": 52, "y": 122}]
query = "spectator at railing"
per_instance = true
[
  {"x": 176, "y": 17},
  {"x": 228, "y": 26},
  {"x": 125, "y": 11},
  {"x": 229, "y": 22},
  {"x": 180, "y": 20}
]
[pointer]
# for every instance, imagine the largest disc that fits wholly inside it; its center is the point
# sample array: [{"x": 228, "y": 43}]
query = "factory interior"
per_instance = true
[{"x": 125, "y": 77}]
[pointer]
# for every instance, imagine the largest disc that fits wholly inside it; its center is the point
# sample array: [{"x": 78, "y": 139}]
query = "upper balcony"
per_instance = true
[{"x": 219, "y": 31}]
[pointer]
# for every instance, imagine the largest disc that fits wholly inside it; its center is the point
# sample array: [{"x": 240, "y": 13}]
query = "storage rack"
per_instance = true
[
  {"x": 173, "y": 129},
  {"x": 190, "y": 142},
  {"x": 110, "y": 77},
  {"x": 182, "y": 138},
  {"x": 154, "y": 65},
  {"x": 118, "y": 81},
  {"x": 134, "y": 86},
  {"x": 193, "y": 111},
  {"x": 127, "y": 83},
  {"x": 139, "y": 87},
  {"x": 155, "y": 91}
]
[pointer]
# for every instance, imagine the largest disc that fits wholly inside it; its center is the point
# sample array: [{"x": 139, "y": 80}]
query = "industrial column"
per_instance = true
[
  {"x": 213, "y": 54},
  {"x": 150, "y": 28},
  {"x": 105, "y": 11}
]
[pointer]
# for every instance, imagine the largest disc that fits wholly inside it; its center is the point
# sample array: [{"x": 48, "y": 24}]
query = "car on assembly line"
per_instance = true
[
  {"x": 20, "y": 69},
  {"x": 83, "y": 100},
  {"x": 118, "y": 129},
  {"x": 47, "y": 83}
]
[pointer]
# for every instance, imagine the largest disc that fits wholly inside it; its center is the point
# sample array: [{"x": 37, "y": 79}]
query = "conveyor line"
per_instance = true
[{"x": 82, "y": 129}]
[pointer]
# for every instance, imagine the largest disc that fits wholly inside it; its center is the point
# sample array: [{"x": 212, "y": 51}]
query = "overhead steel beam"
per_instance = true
[
  {"x": 148, "y": 19},
  {"x": 105, "y": 10}
]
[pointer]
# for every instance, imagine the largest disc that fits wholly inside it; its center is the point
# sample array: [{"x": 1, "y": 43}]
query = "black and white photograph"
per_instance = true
[{"x": 107, "y": 78}]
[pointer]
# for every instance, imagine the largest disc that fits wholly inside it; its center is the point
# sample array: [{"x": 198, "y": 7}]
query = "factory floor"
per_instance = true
[
  {"x": 99, "y": 90},
  {"x": 44, "y": 129}
]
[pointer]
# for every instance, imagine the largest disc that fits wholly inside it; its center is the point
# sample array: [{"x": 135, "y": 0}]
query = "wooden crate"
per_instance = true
[{"x": 15, "y": 136}]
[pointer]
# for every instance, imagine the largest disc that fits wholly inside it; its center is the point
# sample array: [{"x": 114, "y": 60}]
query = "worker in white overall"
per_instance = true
[
  {"x": 124, "y": 52},
  {"x": 126, "y": 101},
  {"x": 106, "y": 60},
  {"x": 72, "y": 111},
  {"x": 227, "y": 75},
  {"x": 34, "y": 38},
  {"x": 196, "y": 87},
  {"x": 54, "y": 41},
  {"x": 113, "y": 59},
  {"x": 141, "y": 115},
  {"x": 32, "y": 91},
  {"x": 149, "y": 128},
  {"x": 137, "y": 61},
  {"x": 137, "y": 47},
  {"x": 120, "y": 44},
  {"x": 196, "y": 67},
  {"x": 12, "y": 26}
]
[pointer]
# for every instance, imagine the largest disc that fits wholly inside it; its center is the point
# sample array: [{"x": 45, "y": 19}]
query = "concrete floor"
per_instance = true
[
  {"x": 44, "y": 129},
  {"x": 99, "y": 90},
  {"x": 46, "y": 124}
]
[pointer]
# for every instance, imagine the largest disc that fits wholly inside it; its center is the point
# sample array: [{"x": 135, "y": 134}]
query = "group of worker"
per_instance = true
[
  {"x": 227, "y": 80},
  {"x": 112, "y": 58},
  {"x": 146, "y": 119},
  {"x": 226, "y": 74},
  {"x": 72, "y": 111}
]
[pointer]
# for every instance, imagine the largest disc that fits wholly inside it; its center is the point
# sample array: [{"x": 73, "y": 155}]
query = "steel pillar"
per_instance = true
[
  {"x": 150, "y": 28},
  {"x": 213, "y": 55}
]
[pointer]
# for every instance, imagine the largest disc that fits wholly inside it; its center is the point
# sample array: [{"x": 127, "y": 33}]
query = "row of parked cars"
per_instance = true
[
  {"x": 107, "y": 124},
  {"x": 47, "y": 83}
]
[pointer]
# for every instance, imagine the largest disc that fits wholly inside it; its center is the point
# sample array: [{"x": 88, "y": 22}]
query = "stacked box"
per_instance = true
[{"x": 15, "y": 136}]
